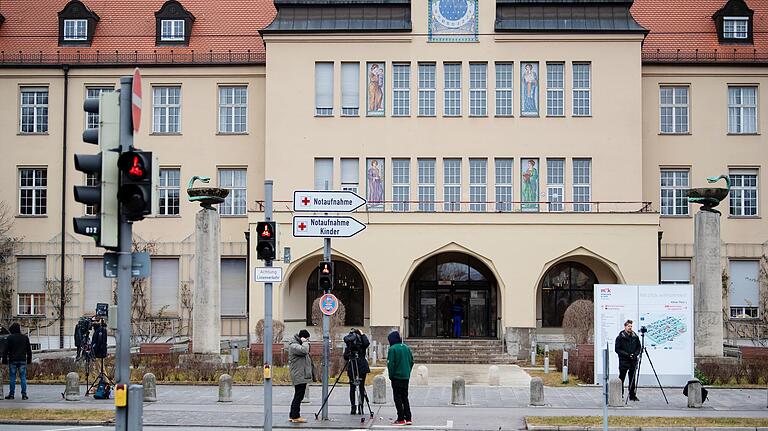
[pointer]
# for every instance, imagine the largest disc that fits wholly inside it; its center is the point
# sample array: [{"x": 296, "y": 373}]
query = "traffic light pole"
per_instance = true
[
  {"x": 326, "y": 335},
  {"x": 125, "y": 232},
  {"x": 267, "y": 317}
]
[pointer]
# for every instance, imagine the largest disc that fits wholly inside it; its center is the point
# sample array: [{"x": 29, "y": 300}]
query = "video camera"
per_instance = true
[
  {"x": 643, "y": 330},
  {"x": 354, "y": 341}
]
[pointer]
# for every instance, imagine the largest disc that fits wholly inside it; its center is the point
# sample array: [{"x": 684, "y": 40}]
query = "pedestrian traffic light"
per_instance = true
[
  {"x": 103, "y": 166},
  {"x": 325, "y": 276},
  {"x": 135, "y": 193},
  {"x": 266, "y": 240}
]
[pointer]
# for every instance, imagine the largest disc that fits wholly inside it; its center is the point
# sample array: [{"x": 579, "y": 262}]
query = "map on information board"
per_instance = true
[{"x": 663, "y": 330}]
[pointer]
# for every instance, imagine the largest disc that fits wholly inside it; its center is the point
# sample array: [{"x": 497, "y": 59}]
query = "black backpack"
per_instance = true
[{"x": 102, "y": 390}]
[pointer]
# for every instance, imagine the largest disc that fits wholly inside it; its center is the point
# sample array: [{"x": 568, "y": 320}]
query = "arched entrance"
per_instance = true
[
  {"x": 348, "y": 286},
  {"x": 443, "y": 281},
  {"x": 562, "y": 285}
]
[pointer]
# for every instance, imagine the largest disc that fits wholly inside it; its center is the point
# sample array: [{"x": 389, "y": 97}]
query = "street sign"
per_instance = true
[
  {"x": 141, "y": 265},
  {"x": 337, "y": 201},
  {"x": 136, "y": 100},
  {"x": 271, "y": 274},
  {"x": 328, "y": 304},
  {"x": 326, "y": 226}
]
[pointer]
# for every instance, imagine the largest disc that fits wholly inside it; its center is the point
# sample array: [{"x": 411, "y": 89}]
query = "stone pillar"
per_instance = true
[
  {"x": 422, "y": 375},
  {"x": 458, "y": 391},
  {"x": 614, "y": 392},
  {"x": 150, "y": 388},
  {"x": 695, "y": 400},
  {"x": 537, "y": 391},
  {"x": 206, "y": 319},
  {"x": 72, "y": 389},
  {"x": 225, "y": 388},
  {"x": 493, "y": 375},
  {"x": 708, "y": 288},
  {"x": 380, "y": 389},
  {"x": 519, "y": 341}
]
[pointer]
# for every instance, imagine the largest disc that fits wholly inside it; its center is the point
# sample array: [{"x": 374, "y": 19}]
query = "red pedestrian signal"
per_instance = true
[{"x": 266, "y": 241}]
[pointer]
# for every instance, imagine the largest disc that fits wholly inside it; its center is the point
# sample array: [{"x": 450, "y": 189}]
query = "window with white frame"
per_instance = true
[
  {"x": 323, "y": 174},
  {"x": 92, "y": 118},
  {"x": 234, "y": 287},
  {"x": 675, "y": 271},
  {"x": 30, "y": 277},
  {"x": 478, "y": 89},
  {"x": 401, "y": 89},
  {"x": 165, "y": 285},
  {"x": 478, "y": 184},
  {"x": 350, "y": 174},
  {"x": 350, "y": 89},
  {"x": 742, "y": 109},
  {"x": 401, "y": 184},
  {"x": 504, "y": 75},
  {"x": 452, "y": 90},
  {"x": 735, "y": 27},
  {"x": 233, "y": 109},
  {"x": 556, "y": 89},
  {"x": 504, "y": 192},
  {"x": 91, "y": 180},
  {"x": 33, "y": 191},
  {"x": 744, "y": 289},
  {"x": 169, "y": 191},
  {"x": 743, "y": 192},
  {"x": 674, "y": 192},
  {"x": 582, "y": 89},
  {"x": 237, "y": 182},
  {"x": 426, "y": 184},
  {"x": 166, "y": 109},
  {"x": 34, "y": 110},
  {"x": 324, "y": 89},
  {"x": 452, "y": 184},
  {"x": 673, "y": 105},
  {"x": 172, "y": 30},
  {"x": 556, "y": 184},
  {"x": 75, "y": 29},
  {"x": 427, "y": 89},
  {"x": 582, "y": 184}
]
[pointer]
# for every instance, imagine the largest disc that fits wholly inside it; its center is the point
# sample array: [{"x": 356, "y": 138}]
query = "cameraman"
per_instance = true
[
  {"x": 629, "y": 349},
  {"x": 357, "y": 343}
]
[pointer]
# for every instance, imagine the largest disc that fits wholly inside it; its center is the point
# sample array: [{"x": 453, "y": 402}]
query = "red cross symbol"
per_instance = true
[
  {"x": 302, "y": 226},
  {"x": 305, "y": 201}
]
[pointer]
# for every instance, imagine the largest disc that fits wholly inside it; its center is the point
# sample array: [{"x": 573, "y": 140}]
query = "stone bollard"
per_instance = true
[
  {"x": 422, "y": 375},
  {"x": 614, "y": 392},
  {"x": 225, "y": 388},
  {"x": 150, "y": 388},
  {"x": 537, "y": 391},
  {"x": 694, "y": 394},
  {"x": 306, "y": 399},
  {"x": 72, "y": 389},
  {"x": 493, "y": 376},
  {"x": 380, "y": 389},
  {"x": 458, "y": 394}
]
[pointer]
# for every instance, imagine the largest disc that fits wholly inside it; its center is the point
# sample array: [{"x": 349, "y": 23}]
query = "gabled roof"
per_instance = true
[
  {"x": 224, "y": 32},
  {"x": 685, "y": 31}
]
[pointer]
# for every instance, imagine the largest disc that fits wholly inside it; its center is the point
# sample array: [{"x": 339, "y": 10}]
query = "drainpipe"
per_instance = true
[
  {"x": 661, "y": 233},
  {"x": 62, "y": 305},
  {"x": 248, "y": 288}
]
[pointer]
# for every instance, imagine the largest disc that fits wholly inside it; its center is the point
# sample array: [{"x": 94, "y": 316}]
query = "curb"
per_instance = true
[
  {"x": 55, "y": 422},
  {"x": 599, "y": 428}
]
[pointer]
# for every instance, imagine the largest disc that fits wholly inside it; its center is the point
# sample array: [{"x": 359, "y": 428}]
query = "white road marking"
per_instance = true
[{"x": 75, "y": 428}]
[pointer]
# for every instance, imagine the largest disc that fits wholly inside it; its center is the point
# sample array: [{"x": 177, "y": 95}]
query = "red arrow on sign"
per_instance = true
[{"x": 136, "y": 100}]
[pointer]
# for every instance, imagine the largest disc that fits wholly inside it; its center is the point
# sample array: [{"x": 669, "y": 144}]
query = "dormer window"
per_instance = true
[
  {"x": 173, "y": 24},
  {"x": 735, "y": 27},
  {"x": 77, "y": 24},
  {"x": 734, "y": 23},
  {"x": 75, "y": 29}
]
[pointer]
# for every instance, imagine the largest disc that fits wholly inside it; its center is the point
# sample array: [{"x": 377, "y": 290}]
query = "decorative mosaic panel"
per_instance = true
[{"x": 453, "y": 20}]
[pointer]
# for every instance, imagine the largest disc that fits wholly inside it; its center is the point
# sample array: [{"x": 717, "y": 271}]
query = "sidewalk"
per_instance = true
[{"x": 489, "y": 408}]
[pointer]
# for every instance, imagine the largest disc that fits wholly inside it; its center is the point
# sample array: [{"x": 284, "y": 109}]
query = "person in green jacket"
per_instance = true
[{"x": 399, "y": 364}]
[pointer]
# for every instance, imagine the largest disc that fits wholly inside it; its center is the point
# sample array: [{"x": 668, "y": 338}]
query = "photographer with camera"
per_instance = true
[
  {"x": 357, "y": 343},
  {"x": 628, "y": 348}
]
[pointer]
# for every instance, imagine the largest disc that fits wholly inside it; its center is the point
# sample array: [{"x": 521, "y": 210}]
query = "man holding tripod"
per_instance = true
[
  {"x": 357, "y": 368},
  {"x": 628, "y": 348}
]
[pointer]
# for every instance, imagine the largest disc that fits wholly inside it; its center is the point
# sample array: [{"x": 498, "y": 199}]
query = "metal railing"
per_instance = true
[
  {"x": 98, "y": 57},
  {"x": 697, "y": 56}
]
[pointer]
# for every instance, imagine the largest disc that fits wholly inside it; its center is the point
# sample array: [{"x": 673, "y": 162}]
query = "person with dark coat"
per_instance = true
[
  {"x": 629, "y": 349},
  {"x": 399, "y": 364},
  {"x": 300, "y": 366},
  {"x": 445, "y": 313},
  {"x": 17, "y": 355},
  {"x": 357, "y": 364}
]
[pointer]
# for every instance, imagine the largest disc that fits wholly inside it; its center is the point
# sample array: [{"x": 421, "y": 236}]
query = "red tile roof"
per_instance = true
[
  {"x": 687, "y": 26},
  {"x": 128, "y": 26}
]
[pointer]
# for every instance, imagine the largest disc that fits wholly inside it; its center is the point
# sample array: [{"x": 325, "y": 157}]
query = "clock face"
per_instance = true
[
  {"x": 454, "y": 9},
  {"x": 453, "y": 20}
]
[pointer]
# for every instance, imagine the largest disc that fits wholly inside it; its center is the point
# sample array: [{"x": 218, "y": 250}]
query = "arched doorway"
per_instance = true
[
  {"x": 563, "y": 284},
  {"x": 443, "y": 281},
  {"x": 348, "y": 286}
]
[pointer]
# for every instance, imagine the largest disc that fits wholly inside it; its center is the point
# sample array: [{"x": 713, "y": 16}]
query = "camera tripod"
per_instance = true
[
  {"x": 356, "y": 382},
  {"x": 99, "y": 377},
  {"x": 640, "y": 361}
]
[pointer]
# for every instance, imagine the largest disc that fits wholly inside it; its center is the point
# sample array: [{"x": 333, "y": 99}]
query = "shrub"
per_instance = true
[{"x": 578, "y": 321}]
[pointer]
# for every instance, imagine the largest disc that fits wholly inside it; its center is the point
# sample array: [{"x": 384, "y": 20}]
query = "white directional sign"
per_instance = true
[
  {"x": 338, "y": 201},
  {"x": 326, "y": 226}
]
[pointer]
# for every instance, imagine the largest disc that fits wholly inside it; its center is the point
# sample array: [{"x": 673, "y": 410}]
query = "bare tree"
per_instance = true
[
  {"x": 9, "y": 246},
  {"x": 578, "y": 321},
  {"x": 337, "y": 320},
  {"x": 278, "y": 329}
]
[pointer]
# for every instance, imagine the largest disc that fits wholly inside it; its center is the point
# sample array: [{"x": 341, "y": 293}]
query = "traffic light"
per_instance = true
[
  {"x": 135, "y": 193},
  {"x": 103, "y": 227},
  {"x": 325, "y": 276},
  {"x": 266, "y": 240}
]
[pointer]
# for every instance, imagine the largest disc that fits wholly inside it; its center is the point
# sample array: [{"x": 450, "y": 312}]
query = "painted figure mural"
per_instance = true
[
  {"x": 375, "y": 184},
  {"x": 530, "y": 184},
  {"x": 529, "y": 93},
  {"x": 453, "y": 20},
  {"x": 375, "y": 88}
]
